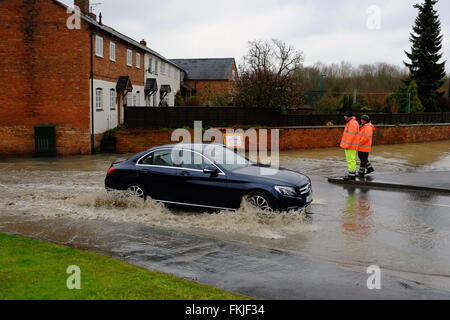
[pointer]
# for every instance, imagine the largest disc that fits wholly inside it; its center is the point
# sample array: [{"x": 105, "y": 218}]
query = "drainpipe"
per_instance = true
[{"x": 92, "y": 95}]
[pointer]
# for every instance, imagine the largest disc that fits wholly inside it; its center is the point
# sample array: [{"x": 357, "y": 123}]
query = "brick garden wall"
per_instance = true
[{"x": 137, "y": 140}]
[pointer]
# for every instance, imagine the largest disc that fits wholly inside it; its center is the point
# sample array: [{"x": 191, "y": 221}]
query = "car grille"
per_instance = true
[{"x": 305, "y": 190}]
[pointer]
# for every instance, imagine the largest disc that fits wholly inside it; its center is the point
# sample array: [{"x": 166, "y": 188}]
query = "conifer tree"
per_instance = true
[{"x": 425, "y": 68}]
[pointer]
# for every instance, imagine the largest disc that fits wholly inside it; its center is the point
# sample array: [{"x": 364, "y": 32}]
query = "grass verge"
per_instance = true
[{"x": 36, "y": 270}]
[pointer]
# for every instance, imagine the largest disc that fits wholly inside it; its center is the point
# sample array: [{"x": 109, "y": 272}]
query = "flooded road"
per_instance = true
[{"x": 407, "y": 234}]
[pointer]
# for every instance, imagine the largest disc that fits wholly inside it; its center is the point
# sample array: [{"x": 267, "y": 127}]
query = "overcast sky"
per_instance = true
[{"x": 325, "y": 30}]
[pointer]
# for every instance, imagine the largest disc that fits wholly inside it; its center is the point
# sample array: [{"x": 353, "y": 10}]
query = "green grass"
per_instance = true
[{"x": 36, "y": 270}]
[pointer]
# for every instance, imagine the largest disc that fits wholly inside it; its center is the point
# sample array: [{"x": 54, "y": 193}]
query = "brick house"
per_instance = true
[
  {"x": 206, "y": 78},
  {"x": 63, "y": 86}
]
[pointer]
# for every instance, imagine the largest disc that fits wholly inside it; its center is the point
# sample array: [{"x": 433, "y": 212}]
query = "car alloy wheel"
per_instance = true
[
  {"x": 136, "y": 191},
  {"x": 259, "y": 201}
]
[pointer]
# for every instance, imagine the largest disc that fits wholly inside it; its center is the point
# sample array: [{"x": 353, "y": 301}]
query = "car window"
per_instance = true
[
  {"x": 192, "y": 160},
  {"x": 229, "y": 159},
  {"x": 161, "y": 158}
]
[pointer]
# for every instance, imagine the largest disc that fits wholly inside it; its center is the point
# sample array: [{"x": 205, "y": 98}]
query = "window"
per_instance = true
[
  {"x": 162, "y": 158},
  {"x": 163, "y": 68},
  {"x": 234, "y": 75},
  {"x": 156, "y": 67},
  {"x": 138, "y": 60},
  {"x": 112, "y": 99},
  {"x": 99, "y": 99},
  {"x": 112, "y": 51},
  {"x": 129, "y": 99},
  {"x": 150, "y": 65},
  {"x": 192, "y": 160},
  {"x": 99, "y": 46},
  {"x": 129, "y": 57},
  {"x": 138, "y": 98}
]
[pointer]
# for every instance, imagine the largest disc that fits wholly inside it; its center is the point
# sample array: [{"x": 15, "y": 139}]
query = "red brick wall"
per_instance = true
[
  {"x": 134, "y": 141},
  {"x": 45, "y": 77},
  {"x": 105, "y": 69}
]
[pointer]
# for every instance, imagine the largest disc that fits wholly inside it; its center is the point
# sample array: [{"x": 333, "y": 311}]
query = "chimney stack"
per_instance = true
[
  {"x": 143, "y": 42},
  {"x": 83, "y": 5}
]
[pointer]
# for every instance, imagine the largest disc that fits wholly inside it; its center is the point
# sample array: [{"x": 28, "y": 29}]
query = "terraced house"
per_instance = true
[{"x": 66, "y": 77}]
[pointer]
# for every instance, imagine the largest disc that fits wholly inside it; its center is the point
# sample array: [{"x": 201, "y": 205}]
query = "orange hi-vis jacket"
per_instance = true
[
  {"x": 350, "y": 138},
  {"x": 366, "y": 137}
]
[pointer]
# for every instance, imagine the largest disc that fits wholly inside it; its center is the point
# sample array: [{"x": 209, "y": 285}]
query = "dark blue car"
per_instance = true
[{"x": 208, "y": 176}]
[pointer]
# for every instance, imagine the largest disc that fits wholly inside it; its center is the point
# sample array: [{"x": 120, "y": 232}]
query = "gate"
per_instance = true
[{"x": 45, "y": 140}]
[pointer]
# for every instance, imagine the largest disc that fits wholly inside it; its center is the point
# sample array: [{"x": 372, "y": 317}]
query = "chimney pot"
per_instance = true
[{"x": 143, "y": 42}]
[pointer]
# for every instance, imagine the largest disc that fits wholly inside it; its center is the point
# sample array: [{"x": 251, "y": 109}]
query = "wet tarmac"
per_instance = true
[{"x": 323, "y": 254}]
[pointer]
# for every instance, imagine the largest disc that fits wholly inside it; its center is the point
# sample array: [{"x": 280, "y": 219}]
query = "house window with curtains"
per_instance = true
[
  {"x": 138, "y": 60},
  {"x": 112, "y": 51},
  {"x": 99, "y": 99},
  {"x": 99, "y": 46},
  {"x": 129, "y": 58},
  {"x": 112, "y": 99}
]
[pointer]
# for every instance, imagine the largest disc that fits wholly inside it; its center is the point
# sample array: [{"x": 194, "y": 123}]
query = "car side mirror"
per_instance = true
[{"x": 211, "y": 170}]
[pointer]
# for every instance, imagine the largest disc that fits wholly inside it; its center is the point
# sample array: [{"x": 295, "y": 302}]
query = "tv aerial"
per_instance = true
[{"x": 94, "y": 6}]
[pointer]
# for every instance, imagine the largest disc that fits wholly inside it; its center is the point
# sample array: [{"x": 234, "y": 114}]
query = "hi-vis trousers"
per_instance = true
[{"x": 350, "y": 155}]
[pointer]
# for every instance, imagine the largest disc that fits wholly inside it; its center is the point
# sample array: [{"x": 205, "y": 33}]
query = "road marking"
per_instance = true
[{"x": 431, "y": 204}]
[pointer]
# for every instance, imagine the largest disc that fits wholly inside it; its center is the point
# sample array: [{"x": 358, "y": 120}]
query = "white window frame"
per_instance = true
[
  {"x": 150, "y": 65},
  {"x": 99, "y": 99},
  {"x": 99, "y": 46},
  {"x": 112, "y": 99},
  {"x": 138, "y": 60},
  {"x": 112, "y": 51},
  {"x": 129, "y": 57}
]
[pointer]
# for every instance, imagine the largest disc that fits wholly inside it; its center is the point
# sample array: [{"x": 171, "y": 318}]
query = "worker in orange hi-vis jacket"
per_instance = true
[
  {"x": 350, "y": 143},
  {"x": 365, "y": 146}
]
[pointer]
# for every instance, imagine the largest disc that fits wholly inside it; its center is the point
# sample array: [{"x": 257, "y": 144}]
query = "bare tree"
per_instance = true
[
  {"x": 275, "y": 56},
  {"x": 266, "y": 75}
]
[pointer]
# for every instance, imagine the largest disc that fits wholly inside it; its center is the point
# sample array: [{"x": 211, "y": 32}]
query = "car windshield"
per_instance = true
[{"x": 227, "y": 158}]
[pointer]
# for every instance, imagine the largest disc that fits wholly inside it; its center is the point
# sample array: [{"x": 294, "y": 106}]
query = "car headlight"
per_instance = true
[{"x": 286, "y": 191}]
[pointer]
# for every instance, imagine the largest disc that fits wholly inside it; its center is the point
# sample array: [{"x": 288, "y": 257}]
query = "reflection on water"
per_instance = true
[{"x": 356, "y": 215}]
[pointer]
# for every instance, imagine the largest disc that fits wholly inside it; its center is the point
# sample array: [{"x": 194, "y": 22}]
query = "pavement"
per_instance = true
[{"x": 434, "y": 181}]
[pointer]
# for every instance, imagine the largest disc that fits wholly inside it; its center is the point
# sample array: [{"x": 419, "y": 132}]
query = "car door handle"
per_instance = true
[{"x": 185, "y": 173}]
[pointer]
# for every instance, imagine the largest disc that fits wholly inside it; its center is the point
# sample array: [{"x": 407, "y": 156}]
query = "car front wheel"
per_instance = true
[{"x": 261, "y": 200}]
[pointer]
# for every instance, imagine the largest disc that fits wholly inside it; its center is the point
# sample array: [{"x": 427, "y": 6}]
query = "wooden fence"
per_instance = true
[{"x": 178, "y": 117}]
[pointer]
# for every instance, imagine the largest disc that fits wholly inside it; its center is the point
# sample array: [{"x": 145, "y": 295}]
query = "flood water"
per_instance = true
[{"x": 406, "y": 233}]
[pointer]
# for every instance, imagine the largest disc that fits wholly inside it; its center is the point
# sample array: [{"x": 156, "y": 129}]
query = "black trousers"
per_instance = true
[{"x": 364, "y": 159}]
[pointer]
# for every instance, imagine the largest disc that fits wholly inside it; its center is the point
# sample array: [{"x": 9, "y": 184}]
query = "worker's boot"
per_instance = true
[
  {"x": 362, "y": 172},
  {"x": 351, "y": 177},
  {"x": 370, "y": 169}
]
